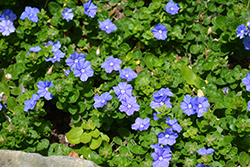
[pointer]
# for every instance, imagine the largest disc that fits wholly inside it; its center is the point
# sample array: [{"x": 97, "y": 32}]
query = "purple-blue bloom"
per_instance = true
[
  {"x": 160, "y": 32},
  {"x": 175, "y": 126},
  {"x": 83, "y": 70},
  {"x": 164, "y": 101},
  {"x": 162, "y": 94},
  {"x": 225, "y": 91},
  {"x": 30, "y": 104},
  {"x": 129, "y": 106},
  {"x": 202, "y": 165},
  {"x": 187, "y": 105},
  {"x": 201, "y": 104},
  {"x": 241, "y": 31},
  {"x": 123, "y": 91},
  {"x": 161, "y": 147},
  {"x": 34, "y": 49},
  {"x": 6, "y": 27},
  {"x": 107, "y": 26},
  {"x": 43, "y": 89},
  {"x": 161, "y": 158},
  {"x": 203, "y": 151},
  {"x": 167, "y": 137},
  {"x": 90, "y": 9},
  {"x": 66, "y": 72},
  {"x": 248, "y": 106},
  {"x": 111, "y": 64},
  {"x": 127, "y": 74},
  {"x": 57, "y": 56},
  {"x": 155, "y": 117},
  {"x": 246, "y": 42},
  {"x": 56, "y": 45},
  {"x": 8, "y": 15},
  {"x": 141, "y": 124},
  {"x": 172, "y": 8},
  {"x": 0, "y": 105},
  {"x": 74, "y": 59},
  {"x": 30, "y": 13},
  {"x": 101, "y": 101},
  {"x": 68, "y": 14}
]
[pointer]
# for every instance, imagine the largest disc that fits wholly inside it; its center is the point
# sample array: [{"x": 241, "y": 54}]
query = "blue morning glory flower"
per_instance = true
[
  {"x": 164, "y": 101},
  {"x": 34, "y": 49},
  {"x": 246, "y": 42},
  {"x": 30, "y": 13},
  {"x": 107, "y": 26},
  {"x": 141, "y": 124},
  {"x": 161, "y": 158},
  {"x": 74, "y": 59},
  {"x": 175, "y": 126},
  {"x": 155, "y": 117},
  {"x": 8, "y": 15},
  {"x": 43, "y": 89},
  {"x": 83, "y": 70},
  {"x": 101, "y": 101},
  {"x": 187, "y": 105},
  {"x": 129, "y": 106},
  {"x": 127, "y": 74},
  {"x": 90, "y": 9},
  {"x": 202, "y": 165},
  {"x": 68, "y": 14},
  {"x": 56, "y": 45},
  {"x": 57, "y": 56},
  {"x": 203, "y": 151},
  {"x": 241, "y": 31},
  {"x": 160, "y": 32},
  {"x": 30, "y": 104},
  {"x": 201, "y": 104},
  {"x": 123, "y": 91},
  {"x": 111, "y": 64},
  {"x": 162, "y": 94},
  {"x": 6, "y": 27},
  {"x": 167, "y": 137},
  {"x": 225, "y": 91},
  {"x": 161, "y": 147},
  {"x": 172, "y": 8},
  {"x": 246, "y": 81}
]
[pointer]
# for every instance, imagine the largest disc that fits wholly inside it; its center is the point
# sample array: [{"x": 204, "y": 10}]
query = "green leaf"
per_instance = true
[
  {"x": 95, "y": 143},
  {"x": 244, "y": 159},
  {"x": 220, "y": 21},
  {"x": 138, "y": 149},
  {"x": 74, "y": 95},
  {"x": 85, "y": 151},
  {"x": 11, "y": 103},
  {"x": 73, "y": 136},
  {"x": 85, "y": 138},
  {"x": 16, "y": 91},
  {"x": 124, "y": 133},
  {"x": 54, "y": 8},
  {"x": 95, "y": 133},
  {"x": 88, "y": 125},
  {"x": 43, "y": 144},
  {"x": 194, "y": 49},
  {"x": 124, "y": 48},
  {"x": 123, "y": 150},
  {"x": 5, "y": 88},
  {"x": 73, "y": 109},
  {"x": 230, "y": 163},
  {"x": 189, "y": 76},
  {"x": 117, "y": 140}
]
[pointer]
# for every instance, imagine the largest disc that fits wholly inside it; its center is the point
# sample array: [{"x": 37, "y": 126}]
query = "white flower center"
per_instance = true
[
  {"x": 166, "y": 135},
  {"x": 82, "y": 70},
  {"x": 103, "y": 101},
  {"x": 171, "y": 8},
  {"x": 107, "y": 27},
  {"x": 47, "y": 88},
  {"x": 126, "y": 75},
  {"x": 200, "y": 106},
  {"x": 7, "y": 17},
  {"x": 30, "y": 15},
  {"x": 161, "y": 103},
  {"x": 66, "y": 14},
  {"x": 111, "y": 64},
  {"x": 242, "y": 31},
  {"x": 122, "y": 91},
  {"x": 54, "y": 57},
  {"x": 6, "y": 28},
  {"x": 160, "y": 31},
  {"x": 160, "y": 158},
  {"x": 129, "y": 106},
  {"x": 141, "y": 126},
  {"x": 190, "y": 106},
  {"x": 76, "y": 60}
]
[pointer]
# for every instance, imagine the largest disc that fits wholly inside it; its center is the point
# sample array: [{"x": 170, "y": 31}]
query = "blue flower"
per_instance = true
[
  {"x": 129, "y": 106},
  {"x": 0, "y": 105},
  {"x": 202, "y": 165},
  {"x": 6, "y": 27},
  {"x": 248, "y": 106},
  {"x": 160, "y": 32},
  {"x": 155, "y": 117},
  {"x": 101, "y": 101},
  {"x": 176, "y": 127},
  {"x": 123, "y": 91},
  {"x": 57, "y": 56},
  {"x": 30, "y": 13},
  {"x": 187, "y": 105},
  {"x": 161, "y": 158},
  {"x": 34, "y": 49},
  {"x": 111, "y": 64},
  {"x": 30, "y": 104},
  {"x": 90, "y": 9},
  {"x": 167, "y": 137},
  {"x": 66, "y": 72},
  {"x": 172, "y": 8},
  {"x": 201, "y": 104},
  {"x": 162, "y": 94},
  {"x": 68, "y": 14},
  {"x": 43, "y": 89},
  {"x": 241, "y": 31},
  {"x": 107, "y": 26},
  {"x": 164, "y": 101},
  {"x": 127, "y": 74},
  {"x": 225, "y": 91},
  {"x": 8, "y": 15},
  {"x": 56, "y": 45},
  {"x": 203, "y": 151},
  {"x": 74, "y": 59},
  {"x": 161, "y": 147},
  {"x": 83, "y": 70},
  {"x": 246, "y": 42},
  {"x": 141, "y": 124}
]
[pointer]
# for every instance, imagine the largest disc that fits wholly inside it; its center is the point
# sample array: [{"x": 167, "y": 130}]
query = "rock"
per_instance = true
[{"x": 10, "y": 158}]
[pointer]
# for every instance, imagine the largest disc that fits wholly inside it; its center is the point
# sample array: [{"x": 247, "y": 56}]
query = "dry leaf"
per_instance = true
[{"x": 74, "y": 154}]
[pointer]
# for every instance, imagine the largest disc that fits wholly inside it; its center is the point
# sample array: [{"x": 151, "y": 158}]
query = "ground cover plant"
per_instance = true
[{"x": 127, "y": 83}]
